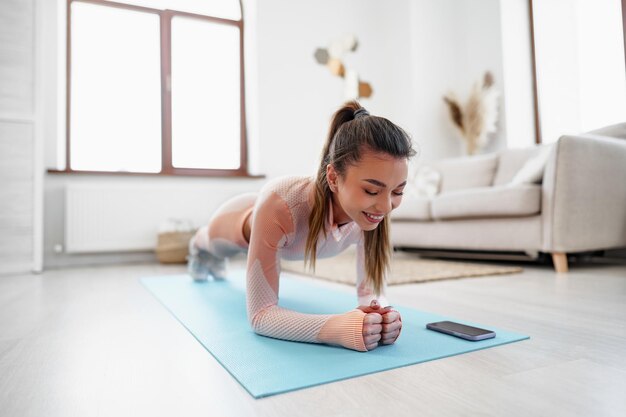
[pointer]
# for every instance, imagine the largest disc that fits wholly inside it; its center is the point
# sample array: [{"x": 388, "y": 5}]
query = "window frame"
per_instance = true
[
  {"x": 167, "y": 169},
  {"x": 624, "y": 26}
]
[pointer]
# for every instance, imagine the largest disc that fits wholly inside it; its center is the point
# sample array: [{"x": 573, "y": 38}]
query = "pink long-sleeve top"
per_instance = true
[{"x": 279, "y": 230}]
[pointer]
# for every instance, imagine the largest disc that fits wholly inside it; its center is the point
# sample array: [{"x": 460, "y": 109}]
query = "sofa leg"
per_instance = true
[{"x": 560, "y": 262}]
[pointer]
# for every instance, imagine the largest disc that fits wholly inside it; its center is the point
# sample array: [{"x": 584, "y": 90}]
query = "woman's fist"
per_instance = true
[
  {"x": 380, "y": 325},
  {"x": 372, "y": 329},
  {"x": 392, "y": 325}
]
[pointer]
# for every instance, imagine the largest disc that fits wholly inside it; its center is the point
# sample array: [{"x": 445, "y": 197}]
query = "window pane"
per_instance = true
[
  {"x": 580, "y": 65},
  {"x": 115, "y": 122},
  {"x": 226, "y": 9},
  {"x": 205, "y": 94}
]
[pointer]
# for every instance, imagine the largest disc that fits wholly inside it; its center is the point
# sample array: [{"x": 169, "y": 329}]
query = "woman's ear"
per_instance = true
[{"x": 331, "y": 177}]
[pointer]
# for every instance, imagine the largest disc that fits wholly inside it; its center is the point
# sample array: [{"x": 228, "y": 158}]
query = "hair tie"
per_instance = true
[{"x": 361, "y": 113}]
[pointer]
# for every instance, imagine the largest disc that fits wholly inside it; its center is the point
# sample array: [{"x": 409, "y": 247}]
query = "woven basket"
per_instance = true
[{"x": 172, "y": 247}]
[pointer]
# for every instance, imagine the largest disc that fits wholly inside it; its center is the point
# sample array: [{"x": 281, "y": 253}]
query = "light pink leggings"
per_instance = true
[{"x": 224, "y": 235}]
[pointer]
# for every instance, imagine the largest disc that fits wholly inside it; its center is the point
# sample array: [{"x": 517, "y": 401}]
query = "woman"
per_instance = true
[{"x": 360, "y": 179}]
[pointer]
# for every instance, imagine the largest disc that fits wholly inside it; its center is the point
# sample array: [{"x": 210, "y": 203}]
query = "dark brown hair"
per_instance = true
[{"x": 348, "y": 138}]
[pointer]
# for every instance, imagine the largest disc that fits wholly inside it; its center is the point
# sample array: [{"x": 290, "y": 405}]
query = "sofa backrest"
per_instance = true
[
  {"x": 614, "y": 131},
  {"x": 493, "y": 169},
  {"x": 466, "y": 172},
  {"x": 510, "y": 161}
]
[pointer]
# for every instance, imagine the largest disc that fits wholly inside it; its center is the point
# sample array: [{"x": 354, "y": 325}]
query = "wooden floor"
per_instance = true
[{"x": 94, "y": 342}]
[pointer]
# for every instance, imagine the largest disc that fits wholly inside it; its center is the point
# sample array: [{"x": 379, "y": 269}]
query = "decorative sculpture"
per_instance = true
[{"x": 332, "y": 58}]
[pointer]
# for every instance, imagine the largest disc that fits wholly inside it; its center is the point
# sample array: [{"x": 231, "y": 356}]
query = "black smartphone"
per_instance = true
[{"x": 461, "y": 330}]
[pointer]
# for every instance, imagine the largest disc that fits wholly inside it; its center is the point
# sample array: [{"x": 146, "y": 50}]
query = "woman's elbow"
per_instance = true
[
  {"x": 255, "y": 321},
  {"x": 259, "y": 317}
]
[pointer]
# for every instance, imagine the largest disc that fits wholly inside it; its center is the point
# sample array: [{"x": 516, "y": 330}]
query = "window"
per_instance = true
[
  {"x": 154, "y": 90},
  {"x": 579, "y": 54}
]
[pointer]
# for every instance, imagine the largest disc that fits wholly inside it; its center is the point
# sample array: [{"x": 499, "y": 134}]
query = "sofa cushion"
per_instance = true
[
  {"x": 426, "y": 182},
  {"x": 510, "y": 161},
  {"x": 413, "y": 208},
  {"x": 422, "y": 181},
  {"x": 532, "y": 171},
  {"x": 466, "y": 172},
  {"x": 497, "y": 201}
]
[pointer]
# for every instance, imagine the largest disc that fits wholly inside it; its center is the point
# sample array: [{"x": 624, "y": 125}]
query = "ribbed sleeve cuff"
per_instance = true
[{"x": 345, "y": 330}]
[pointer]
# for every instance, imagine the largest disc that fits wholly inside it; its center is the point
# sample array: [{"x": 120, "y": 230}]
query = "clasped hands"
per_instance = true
[{"x": 381, "y": 325}]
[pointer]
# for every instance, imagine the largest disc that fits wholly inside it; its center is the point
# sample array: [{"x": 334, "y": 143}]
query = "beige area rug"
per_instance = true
[{"x": 405, "y": 268}]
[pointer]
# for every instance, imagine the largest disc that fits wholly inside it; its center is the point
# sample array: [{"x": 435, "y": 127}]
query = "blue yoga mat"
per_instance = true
[{"x": 266, "y": 366}]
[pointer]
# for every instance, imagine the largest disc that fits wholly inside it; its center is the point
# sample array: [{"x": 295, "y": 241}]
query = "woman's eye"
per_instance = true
[{"x": 375, "y": 193}]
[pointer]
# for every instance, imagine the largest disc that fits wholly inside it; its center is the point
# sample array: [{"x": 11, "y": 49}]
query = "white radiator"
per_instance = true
[{"x": 115, "y": 218}]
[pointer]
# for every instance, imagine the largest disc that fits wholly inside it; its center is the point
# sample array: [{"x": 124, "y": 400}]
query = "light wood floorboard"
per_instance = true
[{"x": 94, "y": 342}]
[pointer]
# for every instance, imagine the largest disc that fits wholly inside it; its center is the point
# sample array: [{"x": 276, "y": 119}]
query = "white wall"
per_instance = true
[
  {"x": 481, "y": 41},
  {"x": 21, "y": 181},
  {"x": 297, "y": 96},
  {"x": 411, "y": 51},
  {"x": 453, "y": 43},
  {"x": 188, "y": 198}
]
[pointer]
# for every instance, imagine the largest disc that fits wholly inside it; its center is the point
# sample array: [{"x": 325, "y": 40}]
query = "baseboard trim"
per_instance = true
[{"x": 64, "y": 260}]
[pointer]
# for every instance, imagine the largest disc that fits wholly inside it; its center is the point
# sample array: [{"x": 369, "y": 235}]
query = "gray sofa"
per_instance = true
[{"x": 579, "y": 204}]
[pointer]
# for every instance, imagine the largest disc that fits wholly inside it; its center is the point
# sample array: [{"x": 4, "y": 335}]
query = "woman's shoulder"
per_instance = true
[
  {"x": 292, "y": 189},
  {"x": 284, "y": 199}
]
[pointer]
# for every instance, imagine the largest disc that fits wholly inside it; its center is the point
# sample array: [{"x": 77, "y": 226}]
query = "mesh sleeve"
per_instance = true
[{"x": 272, "y": 227}]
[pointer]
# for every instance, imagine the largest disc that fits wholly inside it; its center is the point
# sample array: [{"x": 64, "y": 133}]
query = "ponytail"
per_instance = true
[{"x": 352, "y": 131}]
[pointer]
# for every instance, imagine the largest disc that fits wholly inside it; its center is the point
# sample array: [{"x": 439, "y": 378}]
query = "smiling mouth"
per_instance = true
[{"x": 373, "y": 218}]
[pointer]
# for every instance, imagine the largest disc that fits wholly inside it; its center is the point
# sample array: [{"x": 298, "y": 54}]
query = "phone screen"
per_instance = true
[{"x": 461, "y": 328}]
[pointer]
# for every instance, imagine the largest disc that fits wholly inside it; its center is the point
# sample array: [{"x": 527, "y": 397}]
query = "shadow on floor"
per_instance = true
[{"x": 582, "y": 259}]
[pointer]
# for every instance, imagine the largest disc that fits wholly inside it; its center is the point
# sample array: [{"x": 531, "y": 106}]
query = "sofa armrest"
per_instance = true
[{"x": 584, "y": 194}]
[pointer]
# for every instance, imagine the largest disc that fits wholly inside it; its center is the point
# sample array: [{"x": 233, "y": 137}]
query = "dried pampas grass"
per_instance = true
[{"x": 478, "y": 117}]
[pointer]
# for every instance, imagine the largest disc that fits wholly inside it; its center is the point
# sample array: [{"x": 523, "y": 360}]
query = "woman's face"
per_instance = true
[{"x": 369, "y": 190}]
